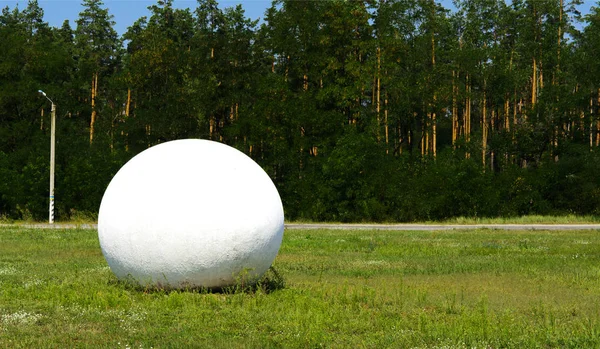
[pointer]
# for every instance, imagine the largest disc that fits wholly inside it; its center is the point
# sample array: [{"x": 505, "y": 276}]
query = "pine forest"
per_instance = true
[{"x": 372, "y": 110}]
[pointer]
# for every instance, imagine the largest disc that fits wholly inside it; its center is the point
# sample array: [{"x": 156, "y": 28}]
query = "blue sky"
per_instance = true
[{"x": 126, "y": 12}]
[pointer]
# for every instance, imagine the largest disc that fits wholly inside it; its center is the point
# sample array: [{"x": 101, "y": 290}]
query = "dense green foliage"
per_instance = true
[
  {"x": 358, "y": 110},
  {"x": 343, "y": 289}
]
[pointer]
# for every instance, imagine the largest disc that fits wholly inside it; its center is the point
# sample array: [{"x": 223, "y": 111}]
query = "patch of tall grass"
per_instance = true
[{"x": 529, "y": 219}]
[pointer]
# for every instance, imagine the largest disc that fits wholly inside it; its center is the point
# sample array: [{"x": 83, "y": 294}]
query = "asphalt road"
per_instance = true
[{"x": 424, "y": 227}]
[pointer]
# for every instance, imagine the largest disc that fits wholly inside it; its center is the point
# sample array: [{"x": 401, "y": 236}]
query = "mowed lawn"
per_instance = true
[{"x": 343, "y": 289}]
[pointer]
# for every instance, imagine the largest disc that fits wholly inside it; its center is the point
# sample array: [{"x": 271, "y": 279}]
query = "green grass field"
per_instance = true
[{"x": 343, "y": 289}]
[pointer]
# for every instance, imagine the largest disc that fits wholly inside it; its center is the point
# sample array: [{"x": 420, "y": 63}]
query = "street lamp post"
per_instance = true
[{"x": 52, "y": 143}]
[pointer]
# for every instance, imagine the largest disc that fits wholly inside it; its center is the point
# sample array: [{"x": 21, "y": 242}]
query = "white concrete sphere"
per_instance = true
[{"x": 190, "y": 213}]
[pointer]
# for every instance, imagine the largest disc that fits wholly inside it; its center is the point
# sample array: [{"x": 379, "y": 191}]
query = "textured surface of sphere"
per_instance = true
[{"x": 190, "y": 213}]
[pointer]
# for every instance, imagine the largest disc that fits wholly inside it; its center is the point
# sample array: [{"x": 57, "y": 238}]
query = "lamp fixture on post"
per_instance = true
[{"x": 52, "y": 142}]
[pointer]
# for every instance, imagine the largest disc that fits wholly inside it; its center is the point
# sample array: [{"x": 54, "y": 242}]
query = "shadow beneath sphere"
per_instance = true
[{"x": 270, "y": 282}]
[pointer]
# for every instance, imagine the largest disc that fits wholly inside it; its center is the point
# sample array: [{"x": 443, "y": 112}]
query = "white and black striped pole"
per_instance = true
[{"x": 52, "y": 142}]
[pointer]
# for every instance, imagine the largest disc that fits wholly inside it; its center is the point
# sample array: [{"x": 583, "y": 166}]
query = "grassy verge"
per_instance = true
[
  {"x": 568, "y": 219},
  {"x": 531, "y": 219},
  {"x": 452, "y": 289}
]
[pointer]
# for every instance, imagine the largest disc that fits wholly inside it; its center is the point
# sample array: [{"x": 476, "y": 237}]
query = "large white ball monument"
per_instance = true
[{"x": 190, "y": 213}]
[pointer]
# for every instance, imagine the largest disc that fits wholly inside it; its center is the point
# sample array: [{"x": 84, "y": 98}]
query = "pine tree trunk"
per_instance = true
[
  {"x": 127, "y": 113},
  {"x": 378, "y": 93},
  {"x": 591, "y": 122},
  {"x": 410, "y": 139},
  {"x": 94, "y": 95},
  {"x": 128, "y": 102},
  {"x": 521, "y": 103},
  {"x": 374, "y": 103},
  {"x": 507, "y": 101},
  {"x": 424, "y": 136},
  {"x": 559, "y": 39},
  {"x": 484, "y": 128},
  {"x": 506, "y": 112},
  {"x": 492, "y": 126},
  {"x": 426, "y": 130},
  {"x": 273, "y": 65},
  {"x": 386, "y": 125},
  {"x": 433, "y": 116},
  {"x": 454, "y": 111},
  {"x": 287, "y": 68},
  {"x": 540, "y": 76},
  {"x": 581, "y": 121},
  {"x": 305, "y": 82},
  {"x": 598, "y": 120},
  {"x": 540, "y": 83},
  {"x": 434, "y": 132},
  {"x": 534, "y": 78},
  {"x": 467, "y": 116}
]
